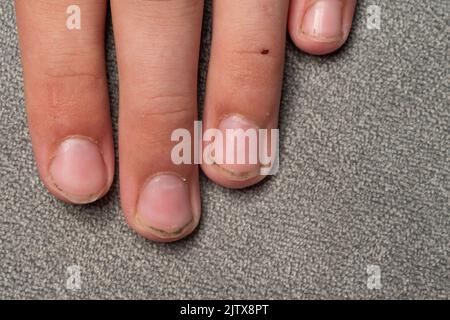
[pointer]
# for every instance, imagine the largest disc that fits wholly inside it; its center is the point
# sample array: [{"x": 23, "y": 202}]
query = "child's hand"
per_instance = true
[{"x": 157, "y": 41}]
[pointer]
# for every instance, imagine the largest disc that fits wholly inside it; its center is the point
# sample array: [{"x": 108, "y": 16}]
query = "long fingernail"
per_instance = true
[
  {"x": 164, "y": 206},
  {"x": 245, "y": 148},
  {"x": 323, "y": 21},
  {"x": 78, "y": 170}
]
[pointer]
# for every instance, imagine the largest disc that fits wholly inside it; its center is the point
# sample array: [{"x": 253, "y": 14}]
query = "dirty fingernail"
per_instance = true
[
  {"x": 164, "y": 206},
  {"x": 78, "y": 170},
  {"x": 323, "y": 21}
]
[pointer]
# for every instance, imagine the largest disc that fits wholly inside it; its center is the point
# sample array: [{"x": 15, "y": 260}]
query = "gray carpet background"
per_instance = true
[{"x": 364, "y": 180}]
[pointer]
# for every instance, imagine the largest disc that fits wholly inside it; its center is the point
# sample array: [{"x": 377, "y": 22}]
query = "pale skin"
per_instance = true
[{"x": 157, "y": 43}]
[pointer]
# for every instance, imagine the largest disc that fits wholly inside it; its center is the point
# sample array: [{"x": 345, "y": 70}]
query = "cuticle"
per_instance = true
[{"x": 235, "y": 114}]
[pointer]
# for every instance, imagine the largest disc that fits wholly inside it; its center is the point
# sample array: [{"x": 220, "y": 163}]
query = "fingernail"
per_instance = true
[
  {"x": 323, "y": 21},
  {"x": 78, "y": 170},
  {"x": 164, "y": 206},
  {"x": 243, "y": 148}
]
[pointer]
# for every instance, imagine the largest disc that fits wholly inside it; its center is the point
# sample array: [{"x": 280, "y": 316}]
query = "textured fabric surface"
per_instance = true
[{"x": 363, "y": 180}]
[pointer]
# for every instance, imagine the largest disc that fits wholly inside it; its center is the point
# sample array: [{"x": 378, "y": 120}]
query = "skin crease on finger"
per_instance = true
[{"x": 67, "y": 102}]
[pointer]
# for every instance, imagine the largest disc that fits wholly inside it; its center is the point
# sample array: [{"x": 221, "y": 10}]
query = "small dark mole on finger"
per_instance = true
[{"x": 264, "y": 51}]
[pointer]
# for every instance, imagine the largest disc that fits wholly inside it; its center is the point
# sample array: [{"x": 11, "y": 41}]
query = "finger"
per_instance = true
[
  {"x": 244, "y": 83},
  {"x": 66, "y": 96},
  {"x": 157, "y": 49},
  {"x": 320, "y": 26}
]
